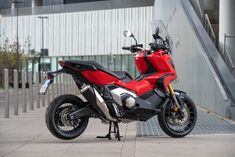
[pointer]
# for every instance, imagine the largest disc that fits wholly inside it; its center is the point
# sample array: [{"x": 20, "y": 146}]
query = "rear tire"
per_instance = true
[
  {"x": 163, "y": 118},
  {"x": 57, "y": 119}
]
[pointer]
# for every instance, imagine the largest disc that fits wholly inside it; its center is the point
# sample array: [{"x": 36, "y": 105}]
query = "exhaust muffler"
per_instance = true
[{"x": 94, "y": 98}]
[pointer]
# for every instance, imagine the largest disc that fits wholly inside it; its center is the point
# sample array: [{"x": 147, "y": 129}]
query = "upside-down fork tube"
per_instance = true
[{"x": 177, "y": 107}]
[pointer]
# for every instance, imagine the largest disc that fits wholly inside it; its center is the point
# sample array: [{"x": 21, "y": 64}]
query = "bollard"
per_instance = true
[
  {"x": 70, "y": 85},
  {"x": 48, "y": 96},
  {"x": 74, "y": 87},
  {"x": 53, "y": 89},
  {"x": 23, "y": 92},
  {"x": 67, "y": 84},
  {"x": 15, "y": 93},
  {"x": 63, "y": 84},
  {"x": 56, "y": 86},
  {"x": 6, "y": 93},
  {"x": 30, "y": 91},
  {"x": 60, "y": 84},
  {"x": 37, "y": 89},
  {"x": 43, "y": 97}
]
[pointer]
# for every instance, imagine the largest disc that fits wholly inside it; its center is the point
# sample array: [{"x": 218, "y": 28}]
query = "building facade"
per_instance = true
[{"x": 89, "y": 31}]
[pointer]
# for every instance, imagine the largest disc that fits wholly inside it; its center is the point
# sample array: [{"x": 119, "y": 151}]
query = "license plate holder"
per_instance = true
[{"x": 45, "y": 85}]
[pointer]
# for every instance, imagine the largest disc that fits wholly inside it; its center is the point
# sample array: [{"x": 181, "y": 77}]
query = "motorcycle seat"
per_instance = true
[{"x": 92, "y": 65}]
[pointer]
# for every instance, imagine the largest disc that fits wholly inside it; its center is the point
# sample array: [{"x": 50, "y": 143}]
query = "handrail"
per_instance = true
[
  {"x": 229, "y": 58},
  {"x": 226, "y": 51},
  {"x": 200, "y": 9},
  {"x": 210, "y": 31}
]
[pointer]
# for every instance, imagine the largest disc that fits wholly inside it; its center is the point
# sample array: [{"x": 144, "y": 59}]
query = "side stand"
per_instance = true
[{"x": 115, "y": 131}]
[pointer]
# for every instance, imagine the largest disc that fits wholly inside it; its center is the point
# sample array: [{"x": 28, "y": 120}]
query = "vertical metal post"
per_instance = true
[
  {"x": 63, "y": 84},
  {"x": 23, "y": 92},
  {"x": 48, "y": 96},
  {"x": 53, "y": 89},
  {"x": 57, "y": 86},
  {"x": 31, "y": 91},
  {"x": 17, "y": 38},
  {"x": 16, "y": 108},
  {"x": 70, "y": 86},
  {"x": 16, "y": 4},
  {"x": 6, "y": 93},
  {"x": 66, "y": 83},
  {"x": 37, "y": 89},
  {"x": 43, "y": 96},
  {"x": 60, "y": 84}
]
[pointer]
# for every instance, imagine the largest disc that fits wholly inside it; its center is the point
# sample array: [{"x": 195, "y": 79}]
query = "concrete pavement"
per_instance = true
[{"x": 27, "y": 136}]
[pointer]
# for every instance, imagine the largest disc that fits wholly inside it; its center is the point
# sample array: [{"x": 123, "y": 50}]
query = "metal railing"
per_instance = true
[
  {"x": 226, "y": 54},
  {"x": 200, "y": 10},
  {"x": 22, "y": 99},
  {"x": 209, "y": 28},
  {"x": 228, "y": 60}
]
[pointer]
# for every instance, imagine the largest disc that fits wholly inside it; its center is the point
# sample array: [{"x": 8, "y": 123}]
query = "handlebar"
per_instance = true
[
  {"x": 126, "y": 48},
  {"x": 134, "y": 48}
]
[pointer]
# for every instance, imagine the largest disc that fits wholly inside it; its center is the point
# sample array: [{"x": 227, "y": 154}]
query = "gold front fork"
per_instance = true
[{"x": 176, "y": 105}]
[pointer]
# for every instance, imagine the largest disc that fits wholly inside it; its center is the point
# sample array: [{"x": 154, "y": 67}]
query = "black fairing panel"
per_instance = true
[{"x": 148, "y": 105}]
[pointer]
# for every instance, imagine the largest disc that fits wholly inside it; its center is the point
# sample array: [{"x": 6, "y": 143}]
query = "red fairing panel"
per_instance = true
[
  {"x": 162, "y": 62},
  {"x": 140, "y": 63},
  {"x": 99, "y": 77}
]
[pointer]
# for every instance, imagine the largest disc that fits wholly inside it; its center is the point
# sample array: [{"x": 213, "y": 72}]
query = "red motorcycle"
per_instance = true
[{"x": 114, "y": 96}]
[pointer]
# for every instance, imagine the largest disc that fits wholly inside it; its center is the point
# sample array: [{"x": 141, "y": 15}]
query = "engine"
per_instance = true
[{"x": 123, "y": 97}]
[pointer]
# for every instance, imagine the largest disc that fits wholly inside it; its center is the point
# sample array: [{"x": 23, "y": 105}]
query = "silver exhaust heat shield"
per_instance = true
[
  {"x": 94, "y": 98},
  {"x": 102, "y": 105}
]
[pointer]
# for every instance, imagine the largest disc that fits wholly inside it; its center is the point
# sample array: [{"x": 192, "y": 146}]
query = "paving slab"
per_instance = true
[
  {"x": 26, "y": 135},
  {"x": 217, "y": 145}
]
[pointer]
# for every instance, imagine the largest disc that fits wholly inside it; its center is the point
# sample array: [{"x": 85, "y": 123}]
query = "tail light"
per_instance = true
[
  {"x": 61, "y": 63},
  {"x": 50, "y": 75}
]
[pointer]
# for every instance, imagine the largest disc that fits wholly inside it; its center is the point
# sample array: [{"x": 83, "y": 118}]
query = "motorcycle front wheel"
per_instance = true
[
  {"x": 175, "y": 124},
  {"x": 57, "y": 120}
]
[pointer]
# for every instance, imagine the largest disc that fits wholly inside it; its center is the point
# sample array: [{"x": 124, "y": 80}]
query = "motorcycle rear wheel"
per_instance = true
[
  {"x": 57, "y": 120},
  {"x": 168, "y": 120}
]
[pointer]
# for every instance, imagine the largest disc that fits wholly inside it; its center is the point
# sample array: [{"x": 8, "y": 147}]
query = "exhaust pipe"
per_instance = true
[{"x": 94, "y": 98}]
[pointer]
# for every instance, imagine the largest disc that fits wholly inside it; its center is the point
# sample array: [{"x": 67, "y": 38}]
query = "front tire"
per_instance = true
[
  {"x": 57, "y": 120},
  {"x": 169, "y": 122}
]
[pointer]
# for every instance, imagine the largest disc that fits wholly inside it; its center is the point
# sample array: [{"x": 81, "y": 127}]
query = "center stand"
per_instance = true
[{"x": 115, "y": 131}]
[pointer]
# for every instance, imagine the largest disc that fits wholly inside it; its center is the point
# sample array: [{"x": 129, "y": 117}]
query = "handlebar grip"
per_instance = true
[
  {"x": 139, "y": 45},
  {"x": 126, "y": 48}
]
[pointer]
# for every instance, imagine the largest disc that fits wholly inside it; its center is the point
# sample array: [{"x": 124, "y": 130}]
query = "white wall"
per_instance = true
[
  {"x": 82, "y": 33},
  {"x": 195, "y": 73}
]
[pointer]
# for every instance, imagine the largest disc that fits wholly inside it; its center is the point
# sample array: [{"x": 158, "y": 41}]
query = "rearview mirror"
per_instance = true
[
  {"x": 127, "y": 34},
  {"x": 155, "y": 35},
  {"x": 157, "y": 30}
]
